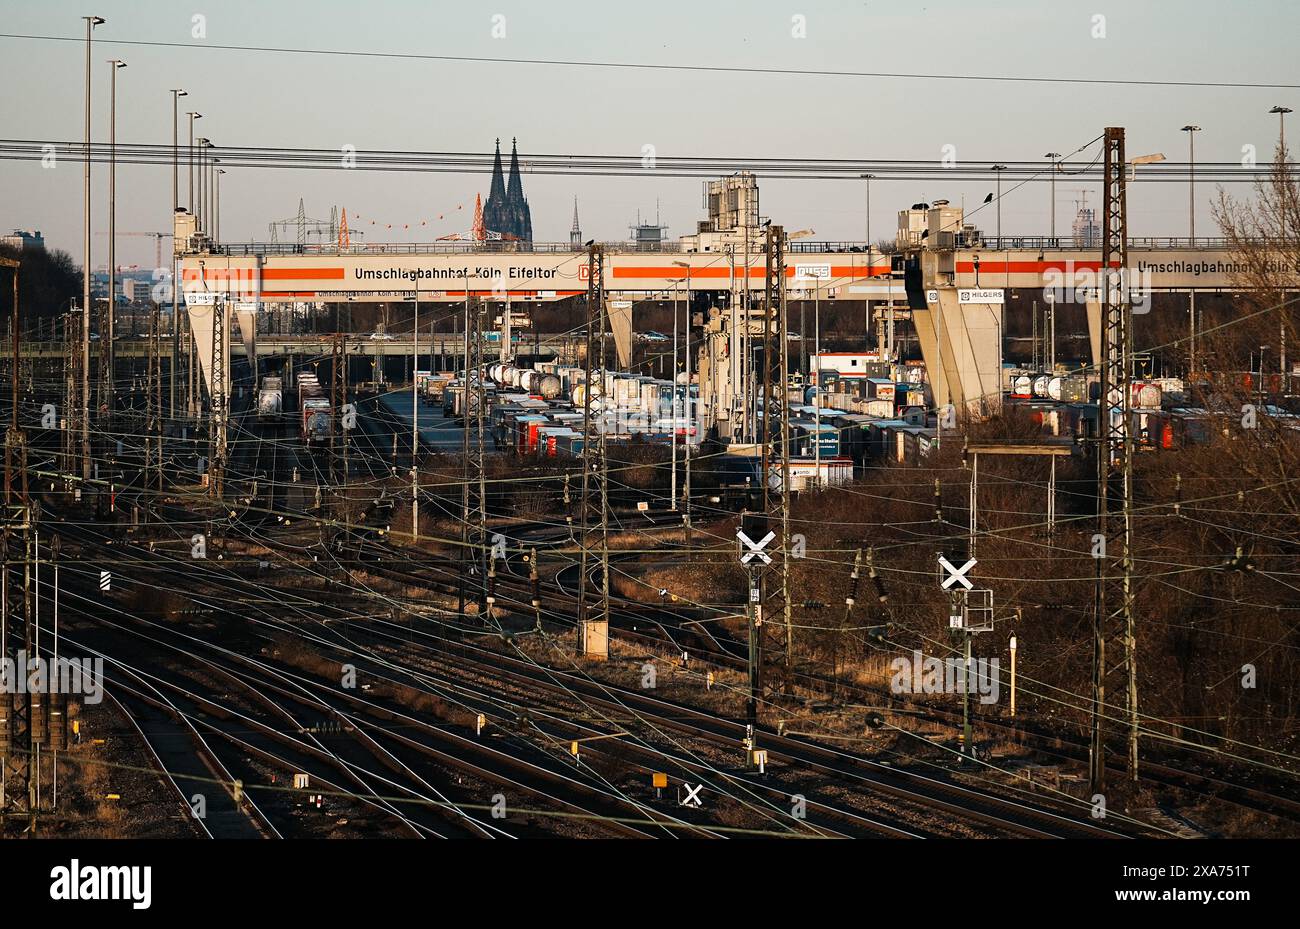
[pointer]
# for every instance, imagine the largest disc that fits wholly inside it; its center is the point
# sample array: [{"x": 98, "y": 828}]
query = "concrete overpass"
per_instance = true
[
  {"x": 956, "y": 301},
  {"x": 268, "y": 274}
]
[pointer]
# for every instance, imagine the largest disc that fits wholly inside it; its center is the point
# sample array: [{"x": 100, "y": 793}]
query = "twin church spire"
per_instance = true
[{"x": 506, "y": 210}]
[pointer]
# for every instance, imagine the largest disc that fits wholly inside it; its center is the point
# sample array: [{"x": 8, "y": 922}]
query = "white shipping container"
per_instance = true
[
  {"x": 878, "y": 408},
  {"x": 805, "y": 474}
]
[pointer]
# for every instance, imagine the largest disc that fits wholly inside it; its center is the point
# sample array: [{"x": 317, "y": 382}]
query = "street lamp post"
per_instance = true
[
  {"x": 690, "y": 419},
  {"x": 202, "y": 213},
  {"x": 672, "y": 479},
  {"x": 202, "y": 182},
  {"x": 1191, "y": 180},
  {"x": 91, "y": 23},
  {"x": 1052, "y": 157},
  {"x": 817, "y": 367},
  {"x": 110, "y": 317},
  {"x": 210, "y": 181},
  {"x": 177, "y": 93},
  {"x": 868, "y": 178},
  {"x": 867, "y": 303},
  {"x": 216, "y": 206},
  {"x": 415, "y": 414},
  {"x": 1281, "y": 112},
  {"x": 998, "y": 169},
  {"x": 193, "y": 116}
]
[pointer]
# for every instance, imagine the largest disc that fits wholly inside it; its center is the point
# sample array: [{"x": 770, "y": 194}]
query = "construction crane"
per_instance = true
[
  {"x": 479, "y": 232},
  {"x": 158, "y": 239}
]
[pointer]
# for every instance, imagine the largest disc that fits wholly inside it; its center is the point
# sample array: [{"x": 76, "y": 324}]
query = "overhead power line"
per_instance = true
[
  {"x": 572, "y": 164},
  {"x": 648, "y": 66}
]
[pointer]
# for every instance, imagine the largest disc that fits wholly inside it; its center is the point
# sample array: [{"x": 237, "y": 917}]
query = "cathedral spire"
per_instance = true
[
  {"x": 515, "y": 188},
  {"x": 498, "y": 189},
  {"x": 575, "y": 234},
  {"x": 506, "y": 211}
]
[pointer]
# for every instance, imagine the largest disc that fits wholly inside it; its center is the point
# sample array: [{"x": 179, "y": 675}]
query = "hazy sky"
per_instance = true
[{"x": 259, "y": 98}]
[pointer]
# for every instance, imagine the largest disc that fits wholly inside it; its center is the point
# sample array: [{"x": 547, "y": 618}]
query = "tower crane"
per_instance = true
[{"x": 158, "y": 239}]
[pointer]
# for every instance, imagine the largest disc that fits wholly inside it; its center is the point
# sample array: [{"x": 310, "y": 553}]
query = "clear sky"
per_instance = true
[{"x": 258, "y": 98}]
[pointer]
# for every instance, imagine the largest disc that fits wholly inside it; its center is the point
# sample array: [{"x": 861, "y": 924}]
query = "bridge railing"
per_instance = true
[
  {"x": 1071, "y": 244},
  {"x": 802, "y": 247},
  {"x": 427, "y": 248}
]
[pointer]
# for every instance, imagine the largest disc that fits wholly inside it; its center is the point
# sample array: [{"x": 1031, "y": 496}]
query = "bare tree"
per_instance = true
[{"x": 1263, "y": 236}]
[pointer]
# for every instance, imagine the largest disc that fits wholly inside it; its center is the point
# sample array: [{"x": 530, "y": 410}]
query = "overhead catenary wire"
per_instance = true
[
  {"x": 631, "y": 165},
  {"x": 663, "y": 66}
]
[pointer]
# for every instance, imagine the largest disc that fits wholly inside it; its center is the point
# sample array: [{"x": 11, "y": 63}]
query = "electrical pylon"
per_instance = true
[
  {"x": 72, "y": 411},
  {"x": 1114, "y": 643},
  {"x": 153, "y": 405},
  {"x": 477, "y": 407},
  {"x": 776, "y": 445},
  {"x": 593, "y": 633},
  {"x": 220, "y": 396},
  {"x": 21, "y": 732}
]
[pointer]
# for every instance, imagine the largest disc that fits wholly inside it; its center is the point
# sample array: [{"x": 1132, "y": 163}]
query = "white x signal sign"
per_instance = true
[
  {"x": 956, "y": 575},
  {"x": 755, "y": 548},
  {"x": 693, "y": 796}
]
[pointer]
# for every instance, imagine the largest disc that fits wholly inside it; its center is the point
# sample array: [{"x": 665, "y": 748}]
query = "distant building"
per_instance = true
[
  {"x": 22, "y": 239},
  {"x": 575, "y": 234},
  {"x": 506, "y": 211},
  {"x": 648, "y": 237},
  {"x": 732, "y": 203},
  {"x": 1087, "y": 231}
]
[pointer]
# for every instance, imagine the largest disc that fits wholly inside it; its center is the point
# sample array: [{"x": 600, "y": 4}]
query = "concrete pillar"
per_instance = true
[
  {"x": 1094, "y": 330},
  {"x": 961, "y": 345}
]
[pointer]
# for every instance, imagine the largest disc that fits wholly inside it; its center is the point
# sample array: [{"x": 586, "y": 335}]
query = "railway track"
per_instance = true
[
  {"x": 366, "y": 718},
  {"x": 1019, "y": 818},
  {"x": 157, "y": 634},
  {"x": 720, "y": 732},
  {"x": 382, "y": 741},
  {"x": 675, "y": 629},
  {"x": 184, "y": 757}
]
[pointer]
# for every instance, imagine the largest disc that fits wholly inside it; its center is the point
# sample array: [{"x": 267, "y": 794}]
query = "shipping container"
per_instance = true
[
  {"x": 855, "y": 385},
  {"x": 1075, "y": 388},
  {"x": 909, "y": 397},
  {"x": 549, "y": 440},
  {"x": 807, "y": 437},
  {"x": 740, "y": 465},
  {"x": 526, "y": 426},
  {"x": 855, "y": 436},
  {"x": 569, "y": 445},
  {"x": 880, "y": 388},
  {"x": 882, "y": 409},
  {"x": 1079, "y": 419},
  {"x": 879, "y": 431},
  {"x": 805, "y": 473}
]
